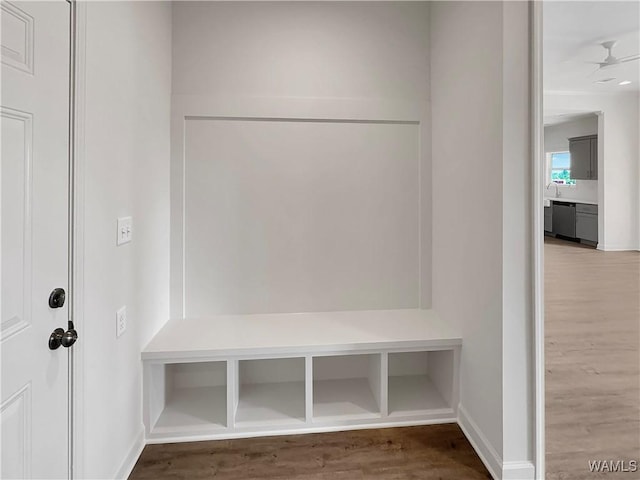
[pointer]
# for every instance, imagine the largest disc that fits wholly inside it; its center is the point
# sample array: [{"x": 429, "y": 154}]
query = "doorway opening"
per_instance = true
[{"x": 587, "y": 216}]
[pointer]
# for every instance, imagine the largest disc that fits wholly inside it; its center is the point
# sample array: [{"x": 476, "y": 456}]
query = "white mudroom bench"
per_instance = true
[{"x": 233, "y": 376}]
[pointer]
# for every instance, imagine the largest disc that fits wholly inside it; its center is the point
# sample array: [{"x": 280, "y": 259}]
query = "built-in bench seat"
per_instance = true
[{"x": 244, "y": 375}]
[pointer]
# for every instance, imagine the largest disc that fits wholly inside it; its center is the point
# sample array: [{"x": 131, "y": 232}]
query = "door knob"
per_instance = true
[
  {"x": 69, "y": 338},
  {"x": 55, "y": 340},
  {"x": 60, "y": 337}
]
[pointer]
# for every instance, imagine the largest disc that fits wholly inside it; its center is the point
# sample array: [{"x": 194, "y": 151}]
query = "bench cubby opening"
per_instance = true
[
  {"x": 189, "y": 397},
  {"x": 347, "y": 387},
  {"x": 277, "y": 374},
  {"x": 270, "y": 392},
  {"x": 421, "y": 382}
]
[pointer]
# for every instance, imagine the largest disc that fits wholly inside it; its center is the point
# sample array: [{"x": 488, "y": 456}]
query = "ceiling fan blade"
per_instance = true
[{"x": 630, "y": 58}]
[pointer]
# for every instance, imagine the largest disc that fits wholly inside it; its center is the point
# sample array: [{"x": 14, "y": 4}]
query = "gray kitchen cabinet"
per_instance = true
[
  {"x": 564, "y": 219},
  {"x": 584, "y": 157},
  {"x": 572, "y": 219},
  {"x": 548, "y": 225},
  {"x": 587, "y": 208},
  {"x": 587, "y": 222}
]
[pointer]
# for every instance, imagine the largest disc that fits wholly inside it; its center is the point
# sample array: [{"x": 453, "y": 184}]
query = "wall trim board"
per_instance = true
[
  {"x": 200, "y": 108},
  {"x": 78, "y": 355},
  {"x": 498, "y": 469},
  {"x": 480, "y": 443},
  {"x": 303, "y": 177},
  {"x": 537, "y": 254},
  {"x": 132, "y": 457},
  {"x": 186, "y": 107},
  {"x": 618, "y": 248},
  {"x": 294, "y": 107},
  {"x": 302, "y": 120},
  {"x": 518, "y": 471}
]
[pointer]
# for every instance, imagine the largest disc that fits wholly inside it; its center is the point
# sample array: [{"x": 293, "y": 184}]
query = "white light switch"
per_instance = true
[
  {"x": 121, "y": 320},
  {"x": 125, "y": 230}
]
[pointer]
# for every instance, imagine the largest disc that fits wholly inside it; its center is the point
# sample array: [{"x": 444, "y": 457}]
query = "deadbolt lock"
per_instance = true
[{"x": 57, "y": 298}]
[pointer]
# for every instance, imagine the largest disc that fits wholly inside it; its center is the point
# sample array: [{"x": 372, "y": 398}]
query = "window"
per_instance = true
[{"x": 560, "y": 168}]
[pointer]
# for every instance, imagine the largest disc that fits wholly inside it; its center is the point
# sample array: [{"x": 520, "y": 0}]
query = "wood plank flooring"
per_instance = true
[
  {"x": 592, "y": 337},
  {"x": 418, "y": 453}
]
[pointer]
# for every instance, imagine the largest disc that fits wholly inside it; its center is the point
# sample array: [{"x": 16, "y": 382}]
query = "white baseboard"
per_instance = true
[
  {"x": 618, "y": 248},
  {"x": 479, "y": 442},
  {"x": 518, "y": 471},
  {"x": 498, "y": 469},
  {"x": 132, "y": 457}
]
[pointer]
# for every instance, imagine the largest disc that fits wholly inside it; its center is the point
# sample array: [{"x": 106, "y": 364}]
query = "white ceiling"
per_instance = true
[
  {"x": 572, "y": 33},
  {"x": 552, "y": 118}
]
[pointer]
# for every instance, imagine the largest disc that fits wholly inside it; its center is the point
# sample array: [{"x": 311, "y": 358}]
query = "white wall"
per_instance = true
[
  {"x": 126, "y": 172},
  {"x": 481, "y": 219},
  {"x": 556, "y": 139},
  {"x": 467, "y": 197},
  {"x": 619, "y": 170},
  {"x": 362, "y": 62},
  {"x": 300, "y": 216}
]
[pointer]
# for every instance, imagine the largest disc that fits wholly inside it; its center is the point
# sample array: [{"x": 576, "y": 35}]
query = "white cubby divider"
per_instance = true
[{"x": 312, "y": 383}]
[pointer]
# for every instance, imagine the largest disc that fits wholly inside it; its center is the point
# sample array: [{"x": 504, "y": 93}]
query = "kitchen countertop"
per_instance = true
[{"x": 567, "y": 199}]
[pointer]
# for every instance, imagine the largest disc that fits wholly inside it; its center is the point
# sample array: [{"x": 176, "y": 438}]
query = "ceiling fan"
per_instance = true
[{"x": 611, "y": 60}]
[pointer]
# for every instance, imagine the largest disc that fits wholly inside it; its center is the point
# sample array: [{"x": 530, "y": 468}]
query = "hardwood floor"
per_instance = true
[
  {"x": 431, "y": 452},
  {"x": 592, "y": 337}
]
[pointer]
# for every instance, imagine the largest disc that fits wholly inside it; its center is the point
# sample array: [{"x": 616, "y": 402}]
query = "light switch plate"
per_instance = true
[
  {"x": 125, "y": 230},
  {"x": 121, "y": 320}
]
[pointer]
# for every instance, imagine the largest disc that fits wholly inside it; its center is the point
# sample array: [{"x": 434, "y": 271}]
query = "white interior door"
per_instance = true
[{"x": 34, "y": 180}]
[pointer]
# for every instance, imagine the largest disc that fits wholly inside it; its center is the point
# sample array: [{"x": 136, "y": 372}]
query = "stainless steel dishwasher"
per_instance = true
[{"x": 564, "y": 219}]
